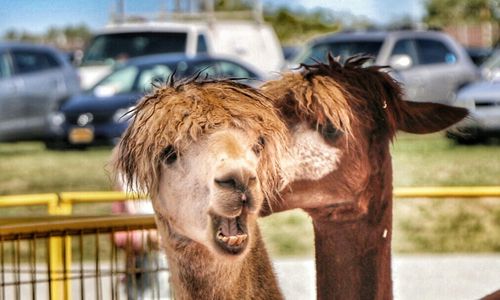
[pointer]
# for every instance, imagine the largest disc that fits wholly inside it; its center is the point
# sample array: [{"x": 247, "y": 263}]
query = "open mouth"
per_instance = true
[{"x": 230, "y": 233}]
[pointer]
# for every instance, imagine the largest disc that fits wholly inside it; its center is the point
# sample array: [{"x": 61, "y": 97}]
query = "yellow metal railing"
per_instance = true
[
  {"x": 62, "y": 275},
  {"x": 447, "y": 192},
  {"x": 61, "y": 204}
]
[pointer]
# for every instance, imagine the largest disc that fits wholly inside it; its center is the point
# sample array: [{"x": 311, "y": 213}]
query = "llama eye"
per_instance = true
[
  {"x": 329, "y": 132},
  {"x": 169, "y": 155},
  {"x": 257, "y": 148}
]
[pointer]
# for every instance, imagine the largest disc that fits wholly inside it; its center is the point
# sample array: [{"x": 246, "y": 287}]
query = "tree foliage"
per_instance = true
[
  {"x": 69, "y": 37},
  {"x": 229, "y": 5},
  {"x": 291, "y": 26},
  {"x": 441, "y": 13}
]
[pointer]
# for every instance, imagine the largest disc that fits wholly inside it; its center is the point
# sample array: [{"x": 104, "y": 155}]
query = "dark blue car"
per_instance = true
[{"x": 97, "y": 115}]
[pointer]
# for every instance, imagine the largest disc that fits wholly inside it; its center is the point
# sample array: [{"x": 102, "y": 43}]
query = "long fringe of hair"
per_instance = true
[{"x": 179, "y": 113}]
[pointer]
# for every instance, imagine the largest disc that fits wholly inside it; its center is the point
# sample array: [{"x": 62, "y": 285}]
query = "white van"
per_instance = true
[{"x": 251, "y": 41}]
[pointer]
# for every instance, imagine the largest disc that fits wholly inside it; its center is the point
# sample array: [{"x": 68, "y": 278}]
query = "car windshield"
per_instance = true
[
  {"x": 344, "y": 49},
  {"x": 131, "y": 79},
  {"x": 110, "y": 48}
]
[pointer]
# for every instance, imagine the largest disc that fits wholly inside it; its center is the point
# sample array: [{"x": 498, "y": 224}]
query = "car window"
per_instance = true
[
  {"x": 344, "y": 49},
  {"x": 151, "y": 74},
  {"x": 317, "y": 53},
  {"x": 434, "y": 52},
  {"x": 4, "y": 66},
  {"x": 229, "y": 69},
  {"x": 201, "y": 45},
  {"x": 32, "y": 61},
  {"x": 120, "y": 81},
  {"x": 109, "y": 48},
  {"x": 205, "y": 68},
  {"x": 405, "y": 47}
]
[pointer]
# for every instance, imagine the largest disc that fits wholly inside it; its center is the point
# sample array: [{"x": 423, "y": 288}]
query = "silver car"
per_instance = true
[
  {"x": 490, "y": 69},
  {"x": 430, "y": 64},
  {"x": 483, "y": 101},
  {"x": 34, "y": 81}
]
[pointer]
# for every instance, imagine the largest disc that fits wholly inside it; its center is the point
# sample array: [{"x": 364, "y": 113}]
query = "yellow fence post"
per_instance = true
[{"x": 60, "y": 255}]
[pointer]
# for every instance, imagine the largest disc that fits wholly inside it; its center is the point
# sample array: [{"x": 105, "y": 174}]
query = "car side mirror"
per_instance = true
[{"x": 400, "y": 62}]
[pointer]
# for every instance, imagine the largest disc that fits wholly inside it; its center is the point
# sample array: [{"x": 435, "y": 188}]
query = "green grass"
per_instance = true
[
  {"x": 420, "y": 225},
  {"x": 431, "y": 160},
  {"x": 29, "y": 168}
]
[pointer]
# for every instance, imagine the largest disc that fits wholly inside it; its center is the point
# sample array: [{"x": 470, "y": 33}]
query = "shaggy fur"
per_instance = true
[
  {"x": 351, "y": 95},
  {"x": 183, "y": 116},
  {"x": 197, "y": 275},
  {"x": 179, "y": 113},
  {"x": 351, "y": 207}
]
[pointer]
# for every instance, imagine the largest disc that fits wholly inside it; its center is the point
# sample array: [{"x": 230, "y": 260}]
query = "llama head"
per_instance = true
[
  {"x": 341, "y": 120},
  {"x": 207, "y": 153}
]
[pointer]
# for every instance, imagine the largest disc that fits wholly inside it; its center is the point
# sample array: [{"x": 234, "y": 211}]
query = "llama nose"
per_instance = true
[{"x": 237, "y": 179}]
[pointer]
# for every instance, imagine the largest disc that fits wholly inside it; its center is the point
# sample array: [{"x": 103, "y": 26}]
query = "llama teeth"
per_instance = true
[
  {"x": 224, "y": 239},
  {"x": 242, "y": 237},
  {"x": 238, "y": 240},
  {"x": 232, "y": 240}
]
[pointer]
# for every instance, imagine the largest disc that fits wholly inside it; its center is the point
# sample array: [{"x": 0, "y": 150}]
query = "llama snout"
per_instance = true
[{"x": 236, "y": 189}]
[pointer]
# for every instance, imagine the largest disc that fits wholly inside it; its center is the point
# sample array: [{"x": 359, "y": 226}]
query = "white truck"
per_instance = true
[{"x": 228, "y": 34}]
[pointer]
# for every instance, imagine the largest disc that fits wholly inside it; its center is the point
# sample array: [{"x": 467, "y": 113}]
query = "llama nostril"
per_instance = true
[
  {"x": 238, "y": 179},
  {"x": 226, "y": 182}
]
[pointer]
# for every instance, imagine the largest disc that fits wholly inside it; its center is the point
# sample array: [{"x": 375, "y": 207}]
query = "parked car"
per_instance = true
[
  {"x": 490, "y": 69},
  {"x": 210, "y": 32},
  {"x": 289, "y": 52},
  {"x": 98, "y": 115},
  {"x": 34, "y": 81},
  {"x": 482, "y": 99},
  {"x": 479, "y": 55},
  {"x": 431, "y": 65}
]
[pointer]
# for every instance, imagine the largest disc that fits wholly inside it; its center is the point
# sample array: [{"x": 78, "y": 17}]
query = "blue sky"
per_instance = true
[{"x": 38, "y": 15}]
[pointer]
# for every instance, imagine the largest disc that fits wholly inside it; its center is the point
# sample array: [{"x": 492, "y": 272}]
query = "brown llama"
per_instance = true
[
  {"x": 342, "y": 119},
  {"x": 207, "y": 154}
]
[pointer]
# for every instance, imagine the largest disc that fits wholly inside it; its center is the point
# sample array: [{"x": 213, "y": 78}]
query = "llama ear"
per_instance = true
[{"x": 426, "y": 117}]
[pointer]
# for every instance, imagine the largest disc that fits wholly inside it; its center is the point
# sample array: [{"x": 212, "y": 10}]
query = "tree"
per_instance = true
[
  {"x": 233, "y": 5},
  {"x": 68, "y": 38},
  {"x": 292, "y": 25},
  {"x": 11, "y": 35},
  {"x": 441, "y": 13}
]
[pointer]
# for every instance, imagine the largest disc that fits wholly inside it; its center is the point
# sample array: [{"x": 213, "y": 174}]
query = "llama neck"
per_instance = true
[
  {"x": 353, "y": 261},
  {"x": 197, "y": 274},
  {"x": 353, "y": 257}
]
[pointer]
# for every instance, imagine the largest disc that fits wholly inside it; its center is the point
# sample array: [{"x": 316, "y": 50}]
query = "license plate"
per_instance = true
[{"x": 81, "y": 135}]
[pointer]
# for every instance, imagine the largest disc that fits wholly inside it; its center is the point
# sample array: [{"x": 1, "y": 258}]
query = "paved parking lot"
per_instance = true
[{"x": 419, "y": 277}]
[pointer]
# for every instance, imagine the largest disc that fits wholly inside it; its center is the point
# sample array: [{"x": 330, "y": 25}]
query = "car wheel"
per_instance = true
[
  {"x": 60, "y": 146},
  {"x": 466, "y": 138}
]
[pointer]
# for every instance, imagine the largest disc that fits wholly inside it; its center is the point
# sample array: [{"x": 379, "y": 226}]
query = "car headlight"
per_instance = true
[
  {"x": 121, "y": 116},
  {"x": 465, "y": 103},
  {"x": 57, "y": 118}
]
